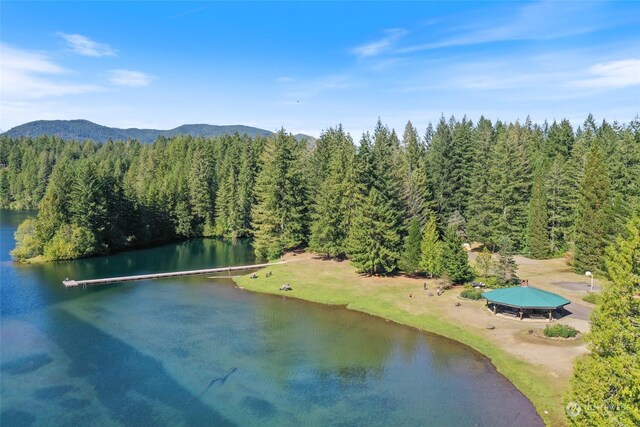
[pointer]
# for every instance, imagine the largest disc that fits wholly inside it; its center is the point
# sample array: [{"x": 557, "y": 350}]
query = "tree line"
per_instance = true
[{"x": 387, "y": 203}]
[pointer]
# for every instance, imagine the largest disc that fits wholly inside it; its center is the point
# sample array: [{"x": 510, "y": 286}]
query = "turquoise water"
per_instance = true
[{"x": 200, "y": 352}]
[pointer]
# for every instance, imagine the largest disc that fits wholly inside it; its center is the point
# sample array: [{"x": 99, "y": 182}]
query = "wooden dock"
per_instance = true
[{"x": 84, "y": 283}]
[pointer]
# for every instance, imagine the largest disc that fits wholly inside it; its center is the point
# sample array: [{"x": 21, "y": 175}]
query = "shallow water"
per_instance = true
[{"x": 199, "y": 351}]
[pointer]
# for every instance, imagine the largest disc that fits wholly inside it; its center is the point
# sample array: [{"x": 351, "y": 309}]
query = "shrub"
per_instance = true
[
  {"x": 27, "y": 243},
  {"x": 592, "y": 298},
  {"x": 474, "y": 294},
  {"x": 560, "y": 330},
  {"x": 70, "y": 242}
]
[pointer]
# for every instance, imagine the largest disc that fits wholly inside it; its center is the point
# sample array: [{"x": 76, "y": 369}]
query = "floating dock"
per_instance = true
[{"x": 68, "y": 283}]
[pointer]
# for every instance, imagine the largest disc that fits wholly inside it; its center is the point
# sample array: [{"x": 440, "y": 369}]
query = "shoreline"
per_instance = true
[{"x": 543, "y": 389}]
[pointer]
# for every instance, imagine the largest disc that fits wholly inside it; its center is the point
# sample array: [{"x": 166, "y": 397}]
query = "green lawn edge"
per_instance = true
[{"x": 527, "y": 378}]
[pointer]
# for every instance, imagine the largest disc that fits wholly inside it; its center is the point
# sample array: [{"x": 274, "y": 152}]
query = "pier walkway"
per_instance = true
[{"x": 84, "y": 283}]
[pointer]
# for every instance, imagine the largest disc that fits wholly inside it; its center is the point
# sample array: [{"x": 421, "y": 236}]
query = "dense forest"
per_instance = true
[{"x": 387, "y": 203}]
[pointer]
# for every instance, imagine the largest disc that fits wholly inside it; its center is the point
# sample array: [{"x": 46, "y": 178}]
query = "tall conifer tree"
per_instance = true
[
  {"x": 415, "y": 191},
  {"x": 411, "y": 253},
  {"x": 280, "y": 214},
  {"x": 431, "y": 249},
  {"x": 455, "y": 261},
  {"x": 333, "y": 203},
  {"x": 605, "y": 382},
  {"x": 373, "y": 241},
  {"x": 537, "y": 234},
  {"x": 594, "y": 215}
]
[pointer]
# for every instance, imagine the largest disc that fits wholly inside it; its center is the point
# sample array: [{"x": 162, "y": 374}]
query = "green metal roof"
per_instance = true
[{"x": 525, "y": 297}]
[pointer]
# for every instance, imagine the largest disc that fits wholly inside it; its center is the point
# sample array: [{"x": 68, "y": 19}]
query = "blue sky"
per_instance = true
[{"x": 308, "y": 66}]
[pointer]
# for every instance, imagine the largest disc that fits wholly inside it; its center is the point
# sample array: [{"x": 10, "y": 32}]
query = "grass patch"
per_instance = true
[
  {"x": 401, "y": 300},
  {"x": 560, "y": 330},
  {"x": 473, "y": 294},
  {"x": 592, "y": 298}
]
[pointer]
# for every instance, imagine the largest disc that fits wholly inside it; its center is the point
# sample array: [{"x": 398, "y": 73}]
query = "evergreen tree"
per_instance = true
[
  {"x": 411, "y": 254},
  {"x": 280, "y": 214},
  {"x": 201, "y": 192},
  {"x": 333, "y": 204},
  {"x": 560, "y": 140},
  {"x": 228, "y": 219},
  {"x": 605, "y": 382},
  {"x": 561, "y": 202},
  {"x": 87, "y": 201},
  {"x": 455, "y": 261},
  {"x": 480, "y": 203},
  {"x": 431, "y": 249},
  {"x": 537, "y": 235},
  {"x": 373, "y": 240},
  {"x": 415, "y": 191},
  {"x": 594, "y": 215},
  {"x": 441, "y": 165},
  {"x": 505, "y": 268},
  {"x": 54, "y": 208},
  {"x": 463, "y": 152},
  {"x": 246, "y": 181},
  {"x": 622, "y": 157},
  {"x": 508, "y": 187}
]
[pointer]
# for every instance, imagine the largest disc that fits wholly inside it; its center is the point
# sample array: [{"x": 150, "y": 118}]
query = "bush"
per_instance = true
[
  {"x": 560, "y": 330},
  {"x": 592, "y": 298},
  {"x": 474, "y": 294},
  {"x": 27, "y": 243},
  {"x": 70, "y": 242}
]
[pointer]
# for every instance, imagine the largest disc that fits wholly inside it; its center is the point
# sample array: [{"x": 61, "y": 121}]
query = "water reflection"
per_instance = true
[{"x": 154, "y": 353}]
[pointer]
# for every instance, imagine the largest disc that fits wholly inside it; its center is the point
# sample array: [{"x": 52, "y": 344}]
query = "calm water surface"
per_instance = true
[{"x": 200, "y": 352}]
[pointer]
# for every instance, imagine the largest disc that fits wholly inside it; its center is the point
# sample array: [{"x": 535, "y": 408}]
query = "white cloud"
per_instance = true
[
  {"x": 612, "y": 75},
  {"x": 17, "y": 59},
  {"x": 284, "y": 79},
  {"x": 129, "y": 78},
  {"x": 535, "y": 21},
  {"x": 379, "y": 46},
  {"x": 30, "y": 75},
  {"x": 85, "y": 46}
]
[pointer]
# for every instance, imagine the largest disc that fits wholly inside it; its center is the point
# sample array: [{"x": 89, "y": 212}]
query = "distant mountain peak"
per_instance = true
[{"x": 81, "y": 129}]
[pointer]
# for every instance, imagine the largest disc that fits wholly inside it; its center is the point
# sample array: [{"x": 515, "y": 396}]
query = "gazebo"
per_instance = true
[{"x": 524, "y": 299}]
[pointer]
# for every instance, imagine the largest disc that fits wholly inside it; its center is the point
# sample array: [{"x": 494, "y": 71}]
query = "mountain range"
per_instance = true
[{"x": 83, "y": 129}]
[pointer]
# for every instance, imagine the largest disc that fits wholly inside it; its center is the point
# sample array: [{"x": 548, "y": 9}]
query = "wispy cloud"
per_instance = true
[
  {"x": 379, "y": 46},
  {"x": 29, "y": 75},
  {"x": 535, "y": 21},
  {"x": 86, "y": 47},
  {"x": 612, "y": 75},
  {"x": 284, "y": 79},
  {"x": 129, "y": 78}
]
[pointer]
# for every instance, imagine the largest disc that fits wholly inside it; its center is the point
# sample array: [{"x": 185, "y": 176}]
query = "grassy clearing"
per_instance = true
[{"x": 402, "y": 300}]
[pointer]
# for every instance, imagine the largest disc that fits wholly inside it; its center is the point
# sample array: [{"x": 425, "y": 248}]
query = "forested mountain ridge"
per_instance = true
[{"x": 82, "y": 130}]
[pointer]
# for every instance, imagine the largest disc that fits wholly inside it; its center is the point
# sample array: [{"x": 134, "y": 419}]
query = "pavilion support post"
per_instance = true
[
  {"x": 521, "y": 313},
  {"x": 550, "y": 315},
  {"x": 495, "y": 309}
]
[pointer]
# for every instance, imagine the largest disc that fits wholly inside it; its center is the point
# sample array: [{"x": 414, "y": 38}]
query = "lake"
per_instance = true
[{"x": 198, "y": 351}]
